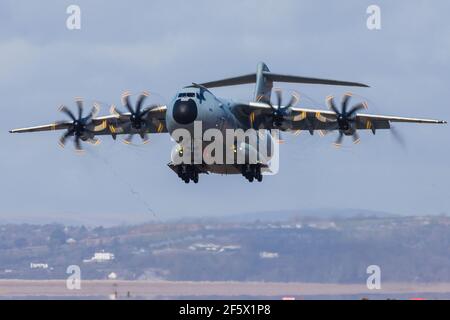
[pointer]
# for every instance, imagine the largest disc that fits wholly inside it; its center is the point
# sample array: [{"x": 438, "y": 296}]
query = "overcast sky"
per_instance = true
[{"x": 162, "y": 45}]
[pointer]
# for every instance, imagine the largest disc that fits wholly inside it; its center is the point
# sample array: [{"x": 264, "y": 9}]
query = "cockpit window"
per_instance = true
[{"x": 186, "y": 94}]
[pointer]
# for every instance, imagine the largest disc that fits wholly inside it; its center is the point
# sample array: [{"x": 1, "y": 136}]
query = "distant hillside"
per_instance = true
[
  {"x": 308, "y": 249},
  {"x": 286, "y": 215},
  {"x": 115, "y": 219}
]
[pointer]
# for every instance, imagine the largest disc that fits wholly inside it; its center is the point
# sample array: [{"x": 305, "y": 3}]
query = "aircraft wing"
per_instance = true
[
  {"x": 307, "y": 119},
  {"x": 109, "y": 125},
  {"x": 47, "y": 127},
  {"x": 314, "y": 119}
]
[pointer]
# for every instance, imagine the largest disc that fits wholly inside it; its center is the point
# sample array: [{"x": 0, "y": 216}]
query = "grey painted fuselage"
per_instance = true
[{"x": 198, "y": 105}]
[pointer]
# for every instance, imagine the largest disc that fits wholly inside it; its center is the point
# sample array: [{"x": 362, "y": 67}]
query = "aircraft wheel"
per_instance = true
[
  {"x": 195, "y": 179},
  {"x": 258, "y": 174},
  {"x": 253, "y": 171}
]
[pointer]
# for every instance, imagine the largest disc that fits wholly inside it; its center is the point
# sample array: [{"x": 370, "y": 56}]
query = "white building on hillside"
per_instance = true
[
  {"x": 101, "y": 257},
  {"x": 38, "y": 265},
  {"x": 268, "y": 255}
]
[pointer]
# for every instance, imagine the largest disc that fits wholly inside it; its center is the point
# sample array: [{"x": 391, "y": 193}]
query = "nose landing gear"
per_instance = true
[{"x": 252, "y": 172}]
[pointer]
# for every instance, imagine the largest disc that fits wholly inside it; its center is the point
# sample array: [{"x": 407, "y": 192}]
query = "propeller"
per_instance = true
[
  {"x": 345, "y": 119},
  {"x": 281, "y": 113},
  {"x": 137, "y": 116},
  {"x": 79, "y": 127}
]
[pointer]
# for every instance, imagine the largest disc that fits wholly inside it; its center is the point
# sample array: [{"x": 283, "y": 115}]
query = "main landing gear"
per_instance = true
[
  {"x": 252, "y": 172},
  {"x": 188, "y": 173}
]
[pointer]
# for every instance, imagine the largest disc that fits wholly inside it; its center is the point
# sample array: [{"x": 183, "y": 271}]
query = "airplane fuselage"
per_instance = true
[{"x": 193, "y": 107}]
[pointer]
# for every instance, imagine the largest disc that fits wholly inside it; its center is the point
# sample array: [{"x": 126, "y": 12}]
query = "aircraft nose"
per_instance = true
[{"x": 184, "y": 112}]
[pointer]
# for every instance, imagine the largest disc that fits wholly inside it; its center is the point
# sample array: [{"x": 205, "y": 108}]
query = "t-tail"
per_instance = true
[{"x": 264, "y": 80}]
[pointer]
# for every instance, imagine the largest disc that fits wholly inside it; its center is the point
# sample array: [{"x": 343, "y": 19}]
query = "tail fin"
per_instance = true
[{"x": 264, "y": 84}]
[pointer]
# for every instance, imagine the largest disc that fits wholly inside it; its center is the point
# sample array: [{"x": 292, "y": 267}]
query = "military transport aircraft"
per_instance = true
[{"x": 197, "y": 103}]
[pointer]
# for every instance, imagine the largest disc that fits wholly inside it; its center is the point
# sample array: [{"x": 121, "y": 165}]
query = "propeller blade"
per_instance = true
[
  {"x": 279, "y": 97},
  {"x": 338, "y": 142},
  {"x": 94, "y": 141},
  {"x": 66, "y": 110},
  {"x": 345, "y": 101},
  {"x": 332, "y": 105},
  {"x": 128, "y": 104},
  {"x": 142, "y": 133},
  {"x": 356, "y": 138},
  {"x": 128, "y": 139},
  {"x": 93, "y": 112},
  {"x": 140, "y": 101},
  {"x": 279, "y": 139},
  {"x": 324, "y": 133},
  {"x": 77, "y": 143},
  {"x": 398, "y": 137},
  {"x": 113, "y": 110},
  {"x": 148, "y": 109},
  {"x": 145, "y": 138},
  {"x": 293, "y": 101},
  {"x": 356, "y": 108},
  {"x": 62, "y": 140},
  {"x": 95, "y": 109},
  {"x": 79, "y": 103}
]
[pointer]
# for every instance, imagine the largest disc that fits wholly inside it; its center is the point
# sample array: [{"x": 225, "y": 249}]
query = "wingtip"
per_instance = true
[{"x": 356, "y": 84}]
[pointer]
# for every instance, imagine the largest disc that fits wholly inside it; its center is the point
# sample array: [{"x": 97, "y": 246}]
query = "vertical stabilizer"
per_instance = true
[{"x": 264, "y": 85}]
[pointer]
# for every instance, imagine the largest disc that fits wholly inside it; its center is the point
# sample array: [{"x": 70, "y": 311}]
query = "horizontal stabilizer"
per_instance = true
[
  {"x": 274, "y": 77},
  {"x": 249, "y": 78},
  {"x": 296, "y": 79}
]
